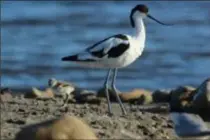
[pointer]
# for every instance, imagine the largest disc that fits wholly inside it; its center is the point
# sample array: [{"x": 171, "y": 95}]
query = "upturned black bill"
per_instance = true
[{"x": 149, "y": 16}]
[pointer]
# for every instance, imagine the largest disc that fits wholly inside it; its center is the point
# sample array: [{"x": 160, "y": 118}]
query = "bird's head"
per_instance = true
[{"x": 142, "y": 11}]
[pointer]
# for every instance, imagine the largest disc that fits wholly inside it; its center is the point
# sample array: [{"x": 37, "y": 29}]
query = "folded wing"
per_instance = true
[{"x": 110, "y": 47}]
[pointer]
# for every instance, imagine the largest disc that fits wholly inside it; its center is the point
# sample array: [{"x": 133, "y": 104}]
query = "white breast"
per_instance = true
[{"x": 134, "y": 51}]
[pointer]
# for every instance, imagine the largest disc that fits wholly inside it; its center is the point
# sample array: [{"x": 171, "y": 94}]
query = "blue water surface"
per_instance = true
[{"x": 36, "y": 35}]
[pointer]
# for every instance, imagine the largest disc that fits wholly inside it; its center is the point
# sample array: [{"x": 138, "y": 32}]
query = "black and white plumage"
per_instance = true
[
  {"x": 116, "y": 51},
  {"x": 103, "y": 53}
]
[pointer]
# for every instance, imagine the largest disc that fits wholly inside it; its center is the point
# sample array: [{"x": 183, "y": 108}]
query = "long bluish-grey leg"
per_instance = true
[
  {"x": 107, "y": 91},
  {"x": 107, "y": 79},
  {"x": 115, "y": 91}
]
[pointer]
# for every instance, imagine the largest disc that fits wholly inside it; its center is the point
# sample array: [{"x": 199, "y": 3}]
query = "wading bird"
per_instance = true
[{"x": 116, "y": 51}]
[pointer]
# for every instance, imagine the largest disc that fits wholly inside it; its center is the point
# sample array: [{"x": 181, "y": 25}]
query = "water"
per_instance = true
[{"x": 36, "y": 35}]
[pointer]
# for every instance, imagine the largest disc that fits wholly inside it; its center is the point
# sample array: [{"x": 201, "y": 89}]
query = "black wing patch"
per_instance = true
[
  {"x": 118, "y": 50},
  {"x": 113, "y": 52},
  {"x": 70, "y": 58},
  {"x": 98, "y": 54},
  {"x": 120, "y": 36}
]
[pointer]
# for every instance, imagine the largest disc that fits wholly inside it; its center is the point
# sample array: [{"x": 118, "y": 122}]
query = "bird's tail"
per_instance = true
[
  {"x": 70, "y": 58},
  {"x": 85, "y": 56}
]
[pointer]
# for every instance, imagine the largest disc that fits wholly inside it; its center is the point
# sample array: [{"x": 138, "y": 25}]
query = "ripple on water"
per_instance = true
[{"x": 33, "y": 43}]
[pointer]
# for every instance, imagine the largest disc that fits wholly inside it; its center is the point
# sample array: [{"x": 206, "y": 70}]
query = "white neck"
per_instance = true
[{"x": 140, "y": 34}]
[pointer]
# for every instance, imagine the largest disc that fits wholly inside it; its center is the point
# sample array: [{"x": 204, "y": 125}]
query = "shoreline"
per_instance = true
[{"x": 147, "y": 118}]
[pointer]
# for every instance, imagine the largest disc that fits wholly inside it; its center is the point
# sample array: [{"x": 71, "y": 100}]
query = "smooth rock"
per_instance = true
[
  {"x": 160, "y": 96},
  {"x": 181, "y": 96},
  {"x": 139, "y": 96},
  {"x": 201, "y": 99},
  {"x": 66, "y": 127},
  {"x": 46, "y": 94},
  {"x": 188, "y": 125}
]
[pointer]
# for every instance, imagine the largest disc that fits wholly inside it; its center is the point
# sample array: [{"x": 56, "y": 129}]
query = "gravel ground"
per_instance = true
[{"x": 154, "y": 124}]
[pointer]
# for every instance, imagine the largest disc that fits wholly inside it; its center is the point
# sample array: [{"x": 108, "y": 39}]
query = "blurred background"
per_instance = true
[{"x": 35, "y": 35}]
